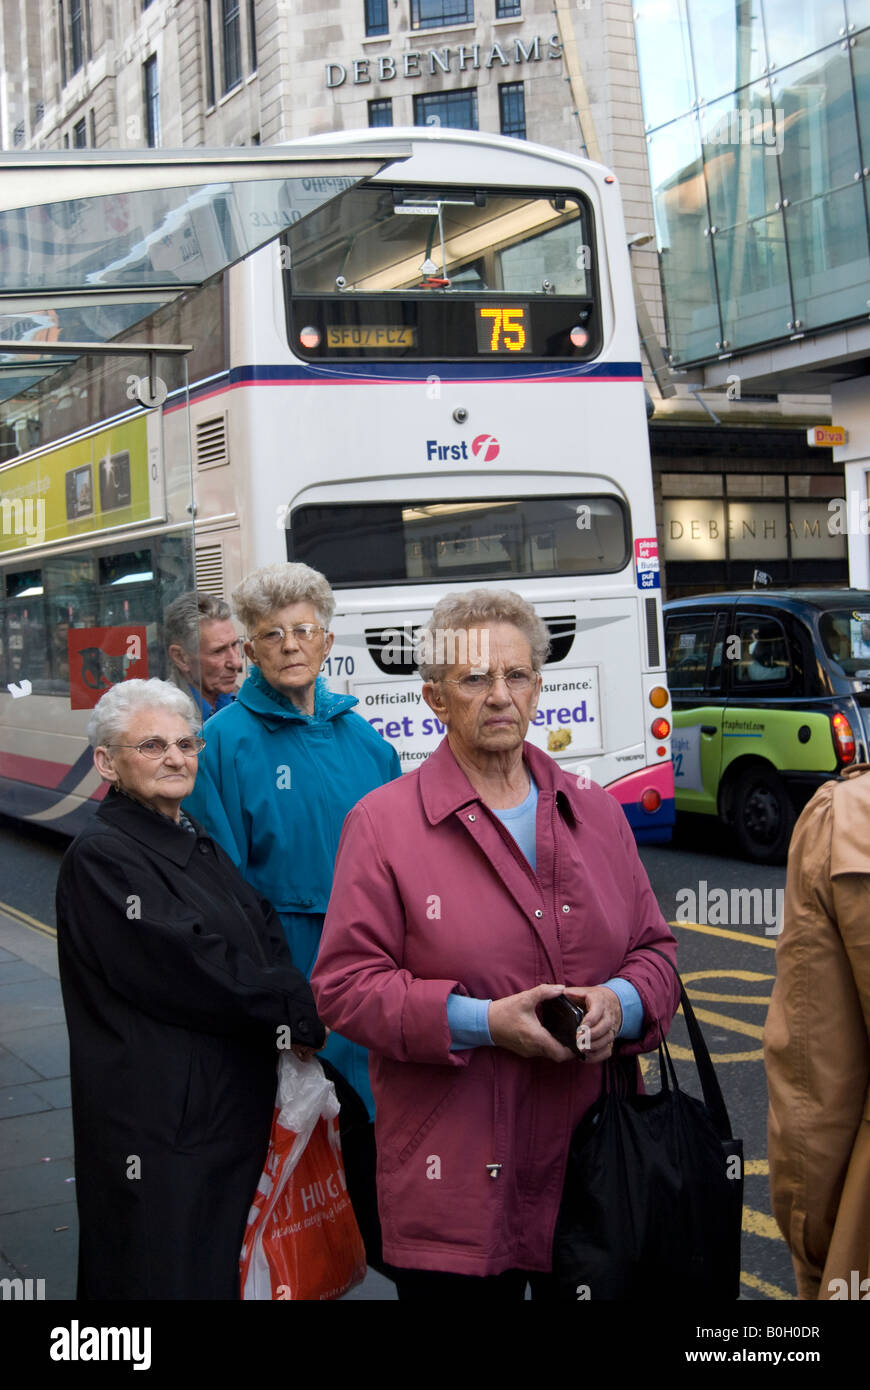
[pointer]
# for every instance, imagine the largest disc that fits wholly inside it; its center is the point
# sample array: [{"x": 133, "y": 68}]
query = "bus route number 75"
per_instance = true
[{"x": 501, "y": 329}]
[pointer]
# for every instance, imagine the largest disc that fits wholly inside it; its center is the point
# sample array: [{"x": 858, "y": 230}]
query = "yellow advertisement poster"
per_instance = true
[{"x": 101, "y": 480}]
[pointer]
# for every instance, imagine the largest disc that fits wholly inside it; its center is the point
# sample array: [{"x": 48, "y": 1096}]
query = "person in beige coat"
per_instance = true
[{"x": 817, "y": 1046}]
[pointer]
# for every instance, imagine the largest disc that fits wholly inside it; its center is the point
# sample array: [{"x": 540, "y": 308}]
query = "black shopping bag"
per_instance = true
[{"x": 653, "y": 1197}]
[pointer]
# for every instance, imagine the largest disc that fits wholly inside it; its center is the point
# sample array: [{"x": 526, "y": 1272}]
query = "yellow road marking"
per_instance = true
[
  {"x": 27, "y": 921},
  {"x": 772, "y": 1290},
  {"x": 757, "y": 1223},
  {"x": 755, "y": 1166},
  {"x": 729, "y": 935},
  {"x": 752, "y": 975},
  {"x": 685, "y": 1054},
  {"x": 712, "y": 998},
  {"x": 733, "y": 1025}
]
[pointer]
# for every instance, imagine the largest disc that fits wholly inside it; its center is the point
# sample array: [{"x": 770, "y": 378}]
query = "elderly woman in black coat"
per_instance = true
[{"x": 178, "y": 987}]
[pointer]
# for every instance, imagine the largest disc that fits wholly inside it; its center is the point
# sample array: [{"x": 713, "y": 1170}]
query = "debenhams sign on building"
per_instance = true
[{"x": 428, "y": 63}]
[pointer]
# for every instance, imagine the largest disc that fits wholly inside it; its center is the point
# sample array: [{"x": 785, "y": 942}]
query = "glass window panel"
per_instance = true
[
  {"x": 727, "y": 45},
  {"x": 381, "y": 112},
  {"x": 830, "y": 266},
  {"x": 232, "y": 43},
  {"x": 429, "y": 14},
  {"x": 417, "y": 542},
  {"x": 795, "y": 27},
  {"x": 694, "y": 529},
  {"x": 819, "y": 133},
  {"x": 512, "y": 109},
  {"x": 757, "y": 530},
  {"x": 756, "y": 485},
  {"x": 680, "y": 204},
  {"x": 811, "y": 536},
  {"x": 688, "y": 651},
  {"x": 858, "y": 12},
  {"x": 691, "y": 484},
  {"x": 861, "y": 70},
  {"x": 377, "y": 17},
  {"x": 664, "y": 60},
  {"x": 739, "y": 136},
  {"x": 158, "y": 237},
  {"x": 456, "y": 109},
  {"x": 815, "y": 485},
  {"x": 763, "y": 651},
  {"x": 753, "y": 281}
]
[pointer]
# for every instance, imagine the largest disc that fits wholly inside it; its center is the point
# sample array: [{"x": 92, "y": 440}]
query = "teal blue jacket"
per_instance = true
[{"x": 273, "y": 788}]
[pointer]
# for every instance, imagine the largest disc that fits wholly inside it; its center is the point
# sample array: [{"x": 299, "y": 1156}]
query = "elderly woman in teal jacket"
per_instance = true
[{"x": 281, "y": 768}]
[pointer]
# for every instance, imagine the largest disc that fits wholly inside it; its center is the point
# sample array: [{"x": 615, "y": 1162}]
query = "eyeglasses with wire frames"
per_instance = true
[
  {"x": 303, "y": 632},
  {"x": 518, "y": 681},
  {"x": 189, "y": 746}
]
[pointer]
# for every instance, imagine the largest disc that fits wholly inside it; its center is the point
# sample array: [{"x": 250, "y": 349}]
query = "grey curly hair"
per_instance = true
[
  {"x": 277, "y": 586},
  {"x": 436, "y": 643}
]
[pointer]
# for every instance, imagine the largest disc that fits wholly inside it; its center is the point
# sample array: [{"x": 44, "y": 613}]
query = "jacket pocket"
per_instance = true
[{"x": 404, "y": 1136}]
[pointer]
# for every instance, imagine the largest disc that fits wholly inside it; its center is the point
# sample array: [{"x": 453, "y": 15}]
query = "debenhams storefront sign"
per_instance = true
[{"x": 432, "y": 61}]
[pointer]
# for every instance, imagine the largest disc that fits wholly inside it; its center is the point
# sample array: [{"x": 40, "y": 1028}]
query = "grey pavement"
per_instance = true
[
  {"x": 38, "y": 1227},
  {"x": 38, "y": 1223}
]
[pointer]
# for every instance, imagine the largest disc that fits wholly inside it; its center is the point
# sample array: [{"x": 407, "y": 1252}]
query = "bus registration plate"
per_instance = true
[{"x": 372, "y": 335}]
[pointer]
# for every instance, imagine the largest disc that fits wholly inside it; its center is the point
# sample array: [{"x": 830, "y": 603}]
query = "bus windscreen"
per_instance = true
[{"x": 398, "y": 272}]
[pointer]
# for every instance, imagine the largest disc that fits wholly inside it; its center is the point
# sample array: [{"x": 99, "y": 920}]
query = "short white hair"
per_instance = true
[{"x": 114, "y": 710}]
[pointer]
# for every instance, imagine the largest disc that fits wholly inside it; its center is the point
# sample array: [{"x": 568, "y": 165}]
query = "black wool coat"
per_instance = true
[{"x": 176, "y": 977}]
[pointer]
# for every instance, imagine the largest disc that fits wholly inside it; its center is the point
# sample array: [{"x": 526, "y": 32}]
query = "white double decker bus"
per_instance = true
[{"x": 431, "y": 382}]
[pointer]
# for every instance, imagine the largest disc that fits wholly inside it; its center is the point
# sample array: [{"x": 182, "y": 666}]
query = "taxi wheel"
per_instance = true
[{"x": 764, "y": 816}]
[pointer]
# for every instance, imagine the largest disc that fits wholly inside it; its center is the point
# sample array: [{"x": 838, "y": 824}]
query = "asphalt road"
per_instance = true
[{"x": 726, "y": 956}]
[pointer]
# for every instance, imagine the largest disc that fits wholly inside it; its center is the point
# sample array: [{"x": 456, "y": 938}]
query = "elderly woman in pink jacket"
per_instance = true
[{"x": 466, "y": 894}]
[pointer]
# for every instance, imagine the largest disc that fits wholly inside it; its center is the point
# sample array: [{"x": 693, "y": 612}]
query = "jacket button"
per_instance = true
[
  {"x": 472, "y": 817},
  {"x": 302, "y": 1027},
  {"x": 203, "y": 847},
  {"x": 538, "y": 912},
  {"x": 565, "y": 907}
]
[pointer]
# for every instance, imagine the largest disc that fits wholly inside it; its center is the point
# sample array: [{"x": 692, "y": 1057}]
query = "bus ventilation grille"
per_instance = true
[
  {"x": 210, "y": 570},
  {"x": 392, "y": 648},
  {"x": 652, "y": 633},
  {"x": 211, "y": 442}
]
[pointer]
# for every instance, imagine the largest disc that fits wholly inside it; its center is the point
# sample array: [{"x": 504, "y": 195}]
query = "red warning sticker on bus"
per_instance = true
[
  {"x": 99, "y": 657},
  {"x": 646, "y": 562}
]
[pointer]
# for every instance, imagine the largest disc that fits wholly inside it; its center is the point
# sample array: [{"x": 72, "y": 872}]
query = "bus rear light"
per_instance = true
[
  {"x": 658, "y": 697},
  {"x": 844, "y": 739},
  {"x": 660, "y": 728},
  {"x": 662, "y": 751},
  {"x": 310, "y": 337},
  {"x": 650, "y": 800}
]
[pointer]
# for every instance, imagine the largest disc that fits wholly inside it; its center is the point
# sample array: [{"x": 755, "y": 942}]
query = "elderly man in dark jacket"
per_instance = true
[{"x": 178, "y": 986}]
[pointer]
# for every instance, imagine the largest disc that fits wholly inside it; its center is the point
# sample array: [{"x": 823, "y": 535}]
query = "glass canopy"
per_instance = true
[{"x": 92, "y": 242}]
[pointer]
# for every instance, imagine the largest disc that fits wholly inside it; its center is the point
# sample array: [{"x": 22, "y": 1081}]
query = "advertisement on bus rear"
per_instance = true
[{"x": 568, "y": 722}]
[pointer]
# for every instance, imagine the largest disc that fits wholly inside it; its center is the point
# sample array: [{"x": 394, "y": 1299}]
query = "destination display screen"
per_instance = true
[{"x": 502, "y": 328}]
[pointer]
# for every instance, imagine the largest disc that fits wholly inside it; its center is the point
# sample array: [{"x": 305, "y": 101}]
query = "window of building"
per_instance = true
[
  {"x": 377, "y": 17},
  {"x": 432, "y": 14},
  {"x": 512, "y": 109},
  {"x": 507, "y": 9},
  {"x": 252, "y": 37},
  {"x": 232, "y": 41},
  {"x": 80, "y": 135},
  {"x": 255, "y": 138},
  {"x": 381, "y": 112},
  {"x": 209, "y": 55},
  {"x": 152, "y": 103},
  {"x": 75, "y": 34},
  {"x": 18, "y": 134},
  {"x": 455, "y": 109},
  {"x": 93, "y": 119},
  {"x": 61, "y": 25}
]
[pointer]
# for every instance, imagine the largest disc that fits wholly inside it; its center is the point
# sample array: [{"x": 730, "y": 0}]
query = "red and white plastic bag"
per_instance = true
[{"x": 302, "y": 1241}]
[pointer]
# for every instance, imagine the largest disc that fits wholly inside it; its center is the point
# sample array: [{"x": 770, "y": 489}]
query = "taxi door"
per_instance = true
[{"x": 694, "y": 640}]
